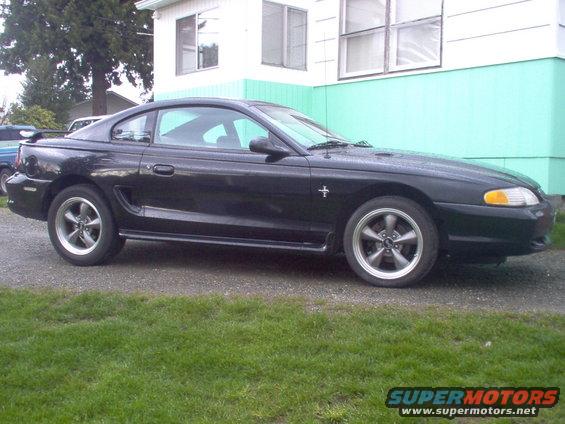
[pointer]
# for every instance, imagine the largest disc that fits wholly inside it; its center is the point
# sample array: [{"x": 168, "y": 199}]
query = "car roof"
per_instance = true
[
  {"x": 100, "y": 130},
  {"x": 88, "y": 118},
  {"x": 214, "y": 101}
]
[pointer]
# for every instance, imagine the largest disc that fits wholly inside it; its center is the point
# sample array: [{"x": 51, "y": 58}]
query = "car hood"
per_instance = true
[{"x": 402, "y": 161}]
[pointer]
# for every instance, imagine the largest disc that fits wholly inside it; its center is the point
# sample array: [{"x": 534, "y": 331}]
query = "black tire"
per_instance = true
[
  {"x": 108, "y": 243},
  {"x": 422, "y": 249},
  {"x": 5, "y": 173}
]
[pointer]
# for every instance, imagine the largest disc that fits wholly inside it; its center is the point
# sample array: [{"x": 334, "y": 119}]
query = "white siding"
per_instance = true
[
  {"x": 487, "y": 32},
  {"x": 325, "y": 48},
  {"x": 232, "y": 50},
  {"x": 258, "y": 71},
  {"x": 475, "y": 33},
  {"x": 561, "y": 28}
]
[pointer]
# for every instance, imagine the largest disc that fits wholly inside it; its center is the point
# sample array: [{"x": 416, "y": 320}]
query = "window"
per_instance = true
[
  {"x": 381, "y": 36},
  {"x": 207, "y": 127},
  {"x": 284, "y": 36},
  {"x": 78, "y": 124},
  {"x": 211, "y": 136},
  {"x": 298, "y": 126},
  {"x": 248, "y": 130},
  {"x": 197, "y": 42},
  {"x": 134, "y": 129}
]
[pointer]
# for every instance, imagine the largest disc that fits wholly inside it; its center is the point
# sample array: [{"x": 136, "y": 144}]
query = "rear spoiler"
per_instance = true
[{"x": 34, "y": 135}]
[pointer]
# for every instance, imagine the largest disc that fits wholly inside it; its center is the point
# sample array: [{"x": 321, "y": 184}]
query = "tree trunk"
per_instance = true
[{"x": 99, "y": 87}]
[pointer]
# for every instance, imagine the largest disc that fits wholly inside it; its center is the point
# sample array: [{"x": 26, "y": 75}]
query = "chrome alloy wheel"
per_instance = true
[
  {"x": 387, "y": 243},
  {"x": 78, "y": 226}
]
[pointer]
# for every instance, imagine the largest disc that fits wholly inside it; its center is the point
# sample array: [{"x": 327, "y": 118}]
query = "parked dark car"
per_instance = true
[
  {"x": 254, "y": 174},
  {"x": 10, "y": 138}
]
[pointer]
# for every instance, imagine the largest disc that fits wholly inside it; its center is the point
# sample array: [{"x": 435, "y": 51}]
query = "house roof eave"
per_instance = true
[{"x": 153, "y": 4}]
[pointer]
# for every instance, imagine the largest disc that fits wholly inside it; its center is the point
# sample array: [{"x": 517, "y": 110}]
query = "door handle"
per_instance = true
[{"x": 166, "y": 170}]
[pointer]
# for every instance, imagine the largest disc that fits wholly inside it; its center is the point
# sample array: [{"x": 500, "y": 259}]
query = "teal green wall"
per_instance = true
[
  {"x": 556, "y": 178},
  {"x": 487, "y": 112},
  {"x": 558, "y": 109},
  {"x": 235, "y": 89},
  {"x": 511, "y": 115},
  {"x": 298, "y": 97}
]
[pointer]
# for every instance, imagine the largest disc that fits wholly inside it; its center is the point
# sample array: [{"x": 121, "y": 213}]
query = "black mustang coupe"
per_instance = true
[{"x": 260, "y": 175}]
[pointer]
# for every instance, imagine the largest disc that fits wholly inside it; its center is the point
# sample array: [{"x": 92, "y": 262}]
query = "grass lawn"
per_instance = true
[
  {"x": 117, "y": 358},
  {"x": 3, "y": 201}
]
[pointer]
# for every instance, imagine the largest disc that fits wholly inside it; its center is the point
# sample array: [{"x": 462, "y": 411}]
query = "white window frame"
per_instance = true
[
  {"x": 285, "y": 64},
  {"x": 197, "y": 68},
  {"x": 390, "y": 42}
]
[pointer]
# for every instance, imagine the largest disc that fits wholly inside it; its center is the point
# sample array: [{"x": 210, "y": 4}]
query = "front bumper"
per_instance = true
[
  {"x": 477, "y": 231},
  {"x": 26, "y": 196}
]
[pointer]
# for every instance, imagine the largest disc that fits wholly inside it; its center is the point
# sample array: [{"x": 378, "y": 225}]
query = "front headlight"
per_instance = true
[{"x": 517, "y": 196}]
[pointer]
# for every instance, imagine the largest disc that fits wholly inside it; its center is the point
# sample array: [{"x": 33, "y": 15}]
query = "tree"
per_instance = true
[
  {"x": 3, "y": 110},
  {"x": 93, "y": 41},
  {"x": 35, "y": 115},
  {"x": 44, "y": 88}
]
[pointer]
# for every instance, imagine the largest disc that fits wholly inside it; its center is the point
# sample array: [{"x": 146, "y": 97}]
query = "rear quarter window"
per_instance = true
[{"x": 135, "y": 129}]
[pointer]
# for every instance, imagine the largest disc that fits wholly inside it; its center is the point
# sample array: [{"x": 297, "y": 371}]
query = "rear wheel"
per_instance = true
[
  {"x": 5, "y": 173},
  {"x": 81, "y": 226},
  {"x": 391, "y": 242}
]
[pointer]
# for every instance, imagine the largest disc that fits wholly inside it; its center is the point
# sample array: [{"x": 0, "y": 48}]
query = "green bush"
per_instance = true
[{"x": 34, "y": 115}]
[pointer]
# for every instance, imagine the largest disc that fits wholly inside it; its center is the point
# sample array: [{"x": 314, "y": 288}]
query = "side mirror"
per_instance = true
[{"x": 266, "y": 146}]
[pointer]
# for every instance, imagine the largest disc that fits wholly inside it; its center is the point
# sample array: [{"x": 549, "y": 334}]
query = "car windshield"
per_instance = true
[{"x": 298, "y": 126}]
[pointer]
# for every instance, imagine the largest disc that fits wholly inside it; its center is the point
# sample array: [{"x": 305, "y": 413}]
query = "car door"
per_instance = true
[
  {"x": 199, "y": 178},
  {"x": 115, "y": 165}
]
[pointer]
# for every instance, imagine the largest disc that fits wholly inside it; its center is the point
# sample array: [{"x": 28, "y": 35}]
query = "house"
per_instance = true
[
  {"x": 481, "y": 79},
  {"x": 116, "y": 103}
]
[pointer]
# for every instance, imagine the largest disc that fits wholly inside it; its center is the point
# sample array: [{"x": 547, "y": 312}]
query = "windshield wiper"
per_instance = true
[
  {"x": 363, "y": 143},
  {"x": 331, "y": 142}
]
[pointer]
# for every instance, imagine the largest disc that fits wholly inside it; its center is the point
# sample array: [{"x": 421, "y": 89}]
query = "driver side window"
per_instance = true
[
  {"x": 207, "y": 127},
  {"x": 248, "y": 130}
]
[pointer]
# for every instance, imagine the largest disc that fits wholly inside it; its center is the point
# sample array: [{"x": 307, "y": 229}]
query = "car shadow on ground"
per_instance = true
[{"x": 276, "y": 265}]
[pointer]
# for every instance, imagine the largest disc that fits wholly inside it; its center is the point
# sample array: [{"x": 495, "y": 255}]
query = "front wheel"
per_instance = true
[
  {"x": 391, "y": 242},
  {"x": 81, "y": 226}
]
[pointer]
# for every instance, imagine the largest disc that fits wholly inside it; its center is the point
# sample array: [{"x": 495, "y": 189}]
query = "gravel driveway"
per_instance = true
[{"x": 27, "y": 260}]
